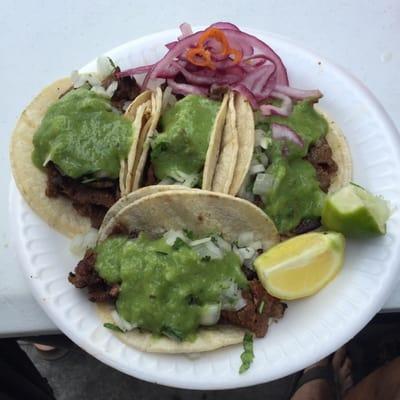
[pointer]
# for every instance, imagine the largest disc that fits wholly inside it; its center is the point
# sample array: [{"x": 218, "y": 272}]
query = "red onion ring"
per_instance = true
[
  {"x": 284, "y": 109},
  {"x": 185, "y": 89},
  {"x": 283, "y": 132},
  {"x": 298, "y": 94},
  {"x": 225, "y": 25},
  {"x": 259, "y": 75},
  {"x": 134, "y": 71}
]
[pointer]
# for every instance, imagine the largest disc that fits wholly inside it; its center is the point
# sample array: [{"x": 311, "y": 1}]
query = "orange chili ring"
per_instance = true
[
  {"x": 218, "y": 35},
  {"x": 201, "y": 57}
]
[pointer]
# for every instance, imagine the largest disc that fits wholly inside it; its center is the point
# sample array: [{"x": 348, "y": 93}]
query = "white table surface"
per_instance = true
[{"x": 43, "y": 40}]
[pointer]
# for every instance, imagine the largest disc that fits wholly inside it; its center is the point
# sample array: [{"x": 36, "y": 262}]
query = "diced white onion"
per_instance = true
[
  {"x": 210, "y": 314},
  {"x": 48, "y": 158},
  {"x": 126, "y": 105},
  {"x": 243, "y": 193},
  {"x": 100, "y": 91},
  {"x": 263, "y": 184},
  {"x": 249, "y": 263},
  {"x": 263, "y": 159},
  {"x": 80, "y": 243},
  {"x": 259, "y": 134},
  {"x": 257, "y": 245},
  {"x": 254, "y": 161},
  {"x": 241, "y": 302},
  {"x": 215, "y": 251},
  {"x": 112, "y": 87},
  {"x": 171, "y": 236},
  {"x": 245, "y": 238},
  {"x": 256, "y": 169},
  {"x": 264, "y": 143},
  {"x": 235, "y": 249},
  {"x": 247, "y": 196},
  {"x": 261, "y": 140},
  {"x": 77, "y": 79},
  {"x": 222, "y": 244},
  {"x": 123, "y": 324},
  {"x": 208, "y": 249},
  {"x": 247, "y": 253},
  {"x": 166, "y": 181},
  {"x": 232, "y": 299},
  {"x": 189, "y": 180},
  {"x": 229, "y": 294},
  {"x": 93, "y": 80},
  {"x": 200, "y": 241},
  {"x": 168, "y": 99},
  {"x": 159, "y": 231},
  {"x": 105, "y": 67}
]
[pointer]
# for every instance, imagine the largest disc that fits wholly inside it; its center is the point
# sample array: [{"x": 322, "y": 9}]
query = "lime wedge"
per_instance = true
[
  {"x": 355, "y": 212},
  {"x": 301, "y": 266}
]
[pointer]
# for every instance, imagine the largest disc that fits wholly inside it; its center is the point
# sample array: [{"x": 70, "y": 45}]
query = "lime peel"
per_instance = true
[
  {"x": 301, "y": 266},
  {"x": 355, "y": 212}
]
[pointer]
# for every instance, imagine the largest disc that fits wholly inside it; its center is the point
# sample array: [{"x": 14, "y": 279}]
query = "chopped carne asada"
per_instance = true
[
  {"x": 92, "y": 199},
  {"x": 250, "y": 317},
  {"x": 254, "y": 316},
  {"x": 89, "y": 199},
  {"x": 149, "y": 176},
  {"x": 320, "y": 156},
  {"x": 127, "y": 90},
  {"x": 85, "y": 275}
]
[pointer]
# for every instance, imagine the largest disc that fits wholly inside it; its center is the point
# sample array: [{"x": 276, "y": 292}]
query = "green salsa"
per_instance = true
[
  {"x": 304, "y": 120},
  {"x": 295, "y": 194},
  {"x": 164, "y": 289},
  {"x": 185, "y": 131},
  {"x": 83, "y": 135}
]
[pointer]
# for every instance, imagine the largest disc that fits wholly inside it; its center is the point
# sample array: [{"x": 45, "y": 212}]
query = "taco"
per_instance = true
[
  {"x": 74, "y": 148},
  {"x": 205, "y": 295},
  {"x": 273, "y": 148},
  {"x": 289, "y": 162},
  {"x": 182, "y": 141}
]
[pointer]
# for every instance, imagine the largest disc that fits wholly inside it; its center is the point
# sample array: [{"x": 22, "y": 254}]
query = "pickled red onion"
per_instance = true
[
  {"x": 259, "y": 74},
  {"x": 283, "y": 132}
]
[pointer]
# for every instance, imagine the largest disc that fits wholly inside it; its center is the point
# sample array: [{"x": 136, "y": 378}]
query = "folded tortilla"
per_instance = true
[
  {"x": 213, "y": 152},
  {"x": 31, "y": 182},
  {"x": 201, "y": 212},
  {"x": 245, "y": 127}
]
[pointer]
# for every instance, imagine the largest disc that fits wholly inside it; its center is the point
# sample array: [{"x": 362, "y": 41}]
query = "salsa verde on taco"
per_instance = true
[
  {"x": 74, "y": 147},
  {"x": 275, "y": 148},
  {"x": 294, "y": 161},
  {"x": 173, "y": 271}
]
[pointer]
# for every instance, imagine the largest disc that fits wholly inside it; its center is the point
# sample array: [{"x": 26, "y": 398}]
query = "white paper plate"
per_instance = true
[{"x": 311, "y": 328}]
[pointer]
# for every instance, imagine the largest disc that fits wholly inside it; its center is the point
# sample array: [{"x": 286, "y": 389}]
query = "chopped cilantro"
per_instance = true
[
  {"x": 161, "y": 253},
  {"x": 112, "y": 63},
  {"x": 163, "y": 146},
  {"x": 172, "y": 333},
  {"x": 206, "y": 258},
  {"x": 178, "y": 244},
  {"x": 249, "y": 186},
  {"x": 189, "y": 234},
  {"x": 247, "y": 356},
  {"x": 113, "y": 327}
]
